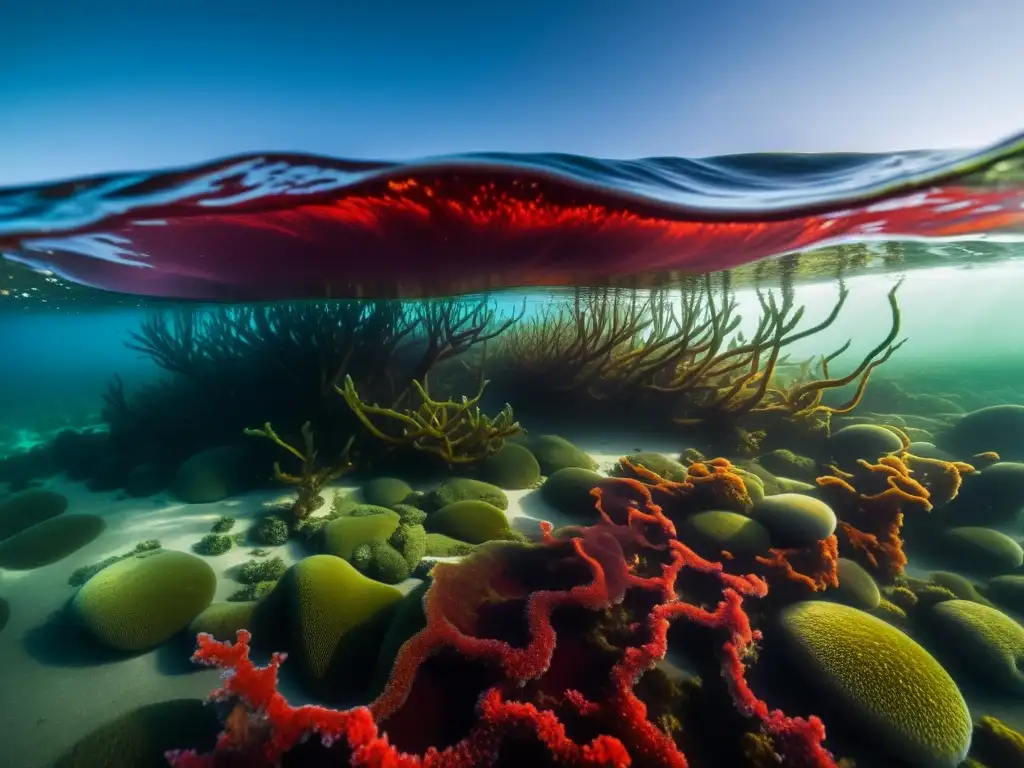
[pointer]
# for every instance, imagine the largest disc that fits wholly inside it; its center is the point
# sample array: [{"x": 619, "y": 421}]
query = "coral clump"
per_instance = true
[{"x": 531, "y": 653}]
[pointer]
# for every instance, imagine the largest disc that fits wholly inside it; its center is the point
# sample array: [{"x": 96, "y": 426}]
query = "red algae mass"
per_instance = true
[
  {"x": 273, "y": 227},
  {"x": 545, "y": 684}
]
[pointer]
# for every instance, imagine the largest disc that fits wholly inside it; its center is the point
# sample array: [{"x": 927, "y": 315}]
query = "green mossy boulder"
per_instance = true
[
  {"x": 568, "y": 492},
  {"x": 138, "y": 603},
  {"x": 753, "y": 483},
  {"x": 140, "y": 737},
  {"x": 709, "y": 533},
  {"x": 464, "y": 489},
  {"x": 471, "y": 521},
  {"x": 1007, "y": 591},
  {"x": 343, "y": 535},
  {"x": 30, "y": 507},
  {"x": 983, "y": 638},
  {"x": 512, "y": 468},
  {"x": 223, "y": 620},
  {"x": 333, "y": 620},
  {"x": 862, "y": 441},
  {"x": 789, "y": 485},
  {"x": 788, "y": 464},
  {"x": 993, "y": 496},
  {"x": 982, "y": 550},
  {"x": 439, "y": 545},
  {"x": 271, "y": 531},
  {"x": 890, "y": 689},
  {"x": 998, "y": 428},
  {"x": 959, "y": 585},
  {"x": 554, "y": 453},
  {"x": 659, "y": 464},
  {"x": 795, "y": 519},
  {"x": 50, "y": 541},
  {"x": 386, "y": 491},
  {"x": 214, "y": 474},
  {"x": 856, "y": 587}
]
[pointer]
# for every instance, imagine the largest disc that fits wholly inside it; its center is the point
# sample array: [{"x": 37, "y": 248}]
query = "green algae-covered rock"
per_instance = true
[
  {"x": 406, "y": 621},
  {"x": 138, "y": 603},
  {"x": 271, "y": 531},
  {"x": 411, "y": 542},
  {"x": 789, "y": 464},
  {"x": 794, "y": 519},
  {"x": 1007, "y": 590},
  {"x": 30, "y": 507},
  {"x": 213, "y": 474},
  {"x": 998, "y": 428},
  {"x": 856, "y": 586},
  {"x": 862, "y": 441},
  {"x": 993, "y": 496},
  {"x": 789, "y": 485},
  {"x": 959, "y": 585},
  {"x": 343, "y": 535},
  {"x": 512, "y": 468},
  {"x": 334, "y": 619},
  {"x": 568, "y": 492},
  {"x": 659, "y": 464},
  {"x": 140, "y": 737},
  {"x": 386, "y": 491},
  {"x": 223, "y": 620},
  {"x": 464, "y": 489},
  {"x": 439, "y": 545},
  {"x": 49, "y": 541},
  {"x": 708, "y": 533},
  {"x": 982, "y": 549},
  {"x": 889, "y": 687},
  {"x": 381, "y": 562},
  {"x": 471, "y": 521},
  {"x": 554, "y": 453},
  {"x": 984, "y": 638},
  {"x": 752, "y": 482}
]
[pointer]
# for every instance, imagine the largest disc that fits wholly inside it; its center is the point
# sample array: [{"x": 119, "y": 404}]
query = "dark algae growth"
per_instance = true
[{"x": 705, "y": 500}]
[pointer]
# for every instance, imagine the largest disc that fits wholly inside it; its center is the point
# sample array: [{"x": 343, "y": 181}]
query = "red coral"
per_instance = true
[{"x": 544, "y": 682}]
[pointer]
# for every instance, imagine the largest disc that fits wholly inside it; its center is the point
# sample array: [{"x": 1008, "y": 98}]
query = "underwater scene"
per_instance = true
[{"x": 515, "y": 460}]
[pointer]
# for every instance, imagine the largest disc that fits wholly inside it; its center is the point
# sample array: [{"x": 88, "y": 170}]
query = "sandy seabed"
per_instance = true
[{"x": 56, "y": 689}]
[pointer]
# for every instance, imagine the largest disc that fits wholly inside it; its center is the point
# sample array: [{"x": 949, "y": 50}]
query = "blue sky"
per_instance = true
[{"x": 105, "y": 85}]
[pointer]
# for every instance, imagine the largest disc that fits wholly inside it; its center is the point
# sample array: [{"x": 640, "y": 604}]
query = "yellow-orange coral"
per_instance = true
[{"x": 815, "y": 568}]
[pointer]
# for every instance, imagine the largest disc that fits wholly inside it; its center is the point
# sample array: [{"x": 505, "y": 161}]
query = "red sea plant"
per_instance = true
[{"x": 519, "y": 620}]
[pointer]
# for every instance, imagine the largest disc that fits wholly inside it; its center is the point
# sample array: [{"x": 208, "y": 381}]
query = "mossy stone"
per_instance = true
[
  {"x": 659, "y": 464},
  {"x": 140, "y": 737},
  {"x": 138, "y": 603},
  {"x": 982, "y": 549},
  {"x": 862, "y": 441},
  {"x": 856, "y": 587},
  {"x": 471, "y": 521},
  {"x": 336, "y": 620},
  {"x": 795, "y": 519},
  {"x": 711, "y": 532},
  {"x": 1007, "y": 590},
  {"x": 789, "y": 464},
  {"x": 554, "y": 453},
  {"x": 889, "y": 687},
  {"x": 386, "y": 491},
  {"x": 993, "y": 496},
  {"x": 406, "y": 621},
  {"x": 214, "y": 474},
  {"x": 50, "y": 541},
  {"x": 753, "y": 483},
  {"x": 223, "y": 620},
  {"x": 439, "y": 545},
  {"x": 789, "y": 485},
  {"x": 959, "y": 585},
  {"x": 512, "y": 468},
  {"x": 343, "y": 535},
  {"x": 464, "y": 489},
  {"x": 30, "y": 507},
  {"x": 984, "y": 638},
  {"x": 998, "y": 428},
  {"x": 568, "y": 492}
]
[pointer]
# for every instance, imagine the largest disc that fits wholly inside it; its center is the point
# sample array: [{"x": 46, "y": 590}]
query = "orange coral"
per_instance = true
[
  {"x": 815, "y": 568},
  {"x": 709, "y": 484}
]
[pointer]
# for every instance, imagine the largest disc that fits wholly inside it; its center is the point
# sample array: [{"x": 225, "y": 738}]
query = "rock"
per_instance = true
[
  {"x": 140, "y": 602},
  {"x": 862, "y": 441},
  {"x": 223, "y": 620},
  {"x": 554, "y": 453},
  {"x": 50, "y": 541},
  {"x": 30, "y": 507},
  {"x": 709, "y": 533},
  {"x": 856, "y": 588},
  {"x": 386, "y": 491},
  {"x": 788, "y": 485},
  {"x": 983, "y": 638},
  {"x": 512, "y": 468},
  {"x": 213, "y": 474},
  {"x": 889, "y": 687},
  {"x": 568, "y": 491},
  {"x": 662, "y": 466},
  {"x": 993, "y": 496},
  {"x": 928, "y": 450},
  {"x": 789, "y": 464},
  {"x": 795, "y": 519},
  {"x": 1008, "y": 591},
  {"x": 959, "y": 585},
  {"x": 439, "y": 545},
  {"x": 464, "y": 489},
  {"x": 981, "y": 549},
  {"x": 344, "y": 534},
  {"x": 471, "y": 521},
  {"x": 998, "y": 428}
]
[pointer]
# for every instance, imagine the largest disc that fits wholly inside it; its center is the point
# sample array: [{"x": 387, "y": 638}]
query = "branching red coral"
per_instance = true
[
  {"x": 542, "y": 683},
  {"x": 815, "y": 568}
]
